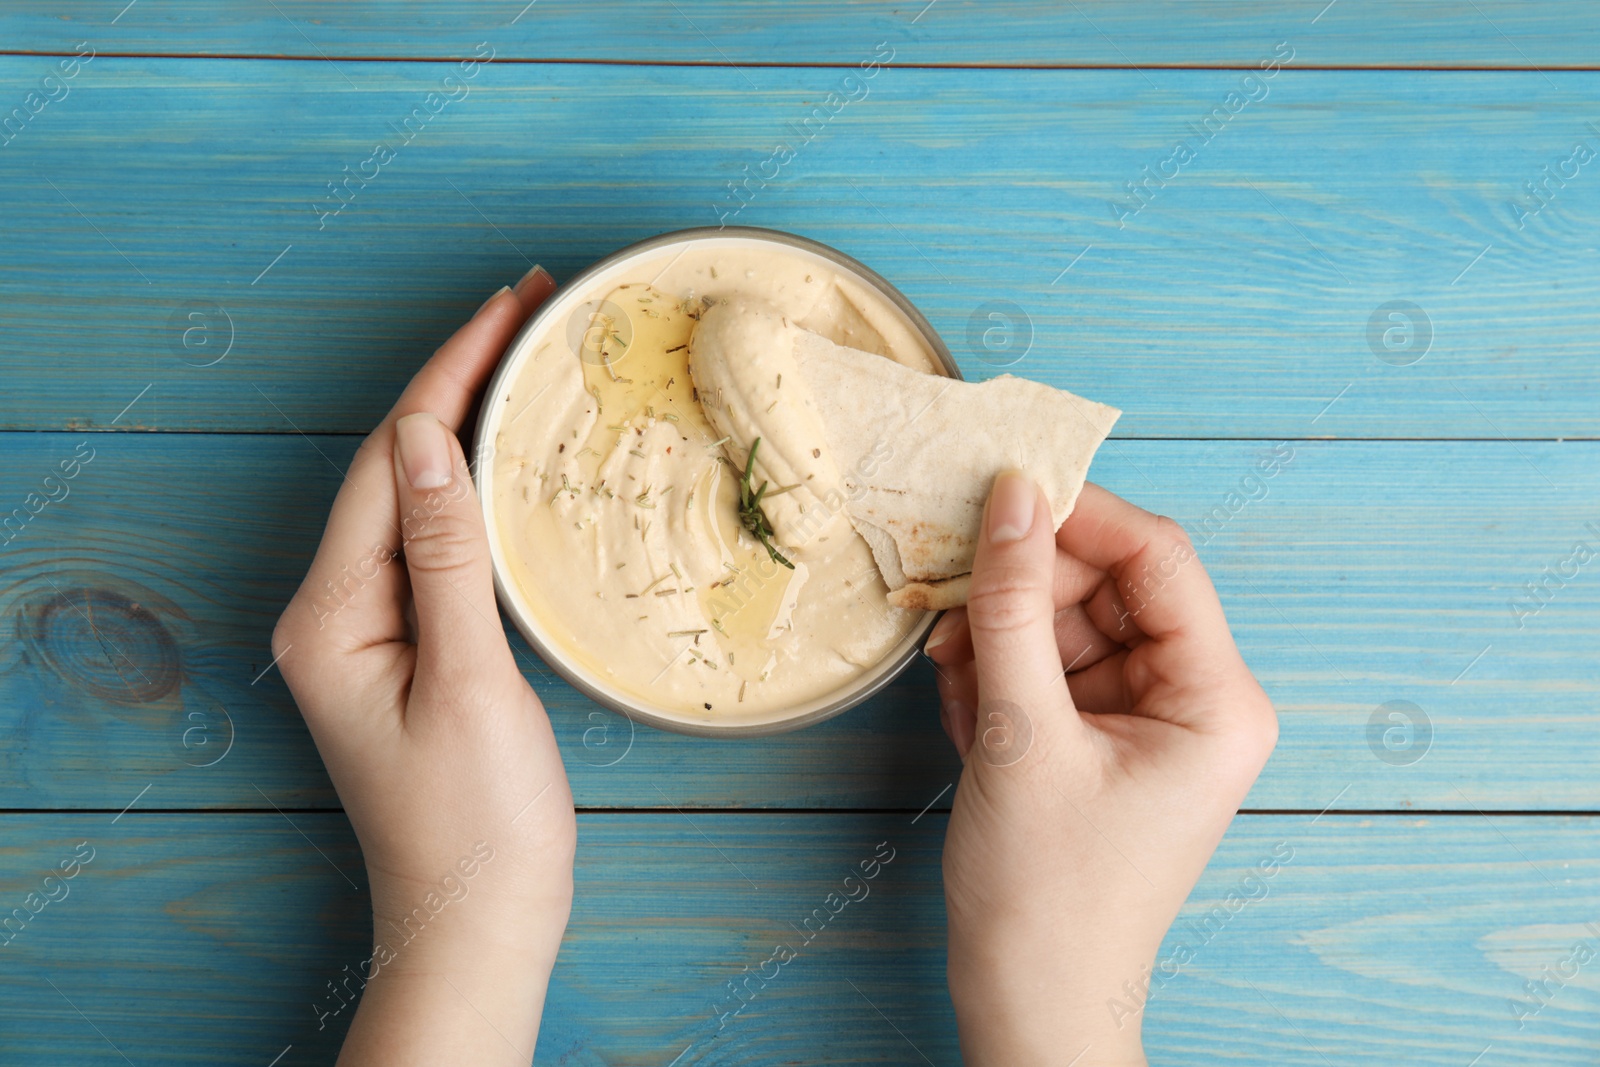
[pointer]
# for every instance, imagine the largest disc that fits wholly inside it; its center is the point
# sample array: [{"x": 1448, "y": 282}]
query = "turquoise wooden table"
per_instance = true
[{"x": 1358, "y": 236}]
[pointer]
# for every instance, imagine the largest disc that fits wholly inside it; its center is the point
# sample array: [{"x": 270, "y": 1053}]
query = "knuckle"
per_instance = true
[
  {"x": 1255, "y": 735},
  {"x": 1170, "y": 535},
  {"x": 293, "y": 631},
  {"x": 1007, "y": 598},
  {"x": 445, "y": 541},
  {"x": 285, "y": 632},
  {"x": 1265, "y": 729},
  {"x": 376, "y": 442}
]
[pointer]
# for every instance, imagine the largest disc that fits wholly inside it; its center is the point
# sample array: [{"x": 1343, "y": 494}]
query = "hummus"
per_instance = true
[{"x": 616, "y": 488}]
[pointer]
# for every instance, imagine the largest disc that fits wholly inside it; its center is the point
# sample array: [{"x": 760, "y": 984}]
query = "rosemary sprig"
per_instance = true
[{"x": 750, "y": 513}]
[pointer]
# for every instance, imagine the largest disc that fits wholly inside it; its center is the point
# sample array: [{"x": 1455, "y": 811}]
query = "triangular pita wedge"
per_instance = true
[{"x": 918, "y": 454}]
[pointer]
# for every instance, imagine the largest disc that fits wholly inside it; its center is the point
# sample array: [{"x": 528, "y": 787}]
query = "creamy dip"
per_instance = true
[{"x": 616, "y": 500}]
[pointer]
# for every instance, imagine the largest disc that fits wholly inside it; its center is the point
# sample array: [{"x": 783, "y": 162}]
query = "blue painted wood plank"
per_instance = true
[
  {"x": 1394, "y": 33},
  {"x": 213, "y": 939},
  {"x": 1251, "y": 292},
  {"x": 142, "y": 605},
  {"x": 1357, "y": 575}
]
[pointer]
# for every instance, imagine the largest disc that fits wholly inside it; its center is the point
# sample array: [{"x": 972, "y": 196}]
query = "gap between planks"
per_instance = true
[{"x": 816, "y": 65}]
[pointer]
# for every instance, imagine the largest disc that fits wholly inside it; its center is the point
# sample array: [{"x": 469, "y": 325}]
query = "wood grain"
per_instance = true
[
  {"x": 1359, "y": 574},
  {"x": 1393, "y": 33},
  {"x": 209, "y": 939},
  {"x": 1245, "y": 299},
  {"x": 1411, "y": 605}
]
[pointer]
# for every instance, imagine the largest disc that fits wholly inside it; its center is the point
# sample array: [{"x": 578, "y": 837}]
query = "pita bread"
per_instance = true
[{"x": 917, "y": 455}]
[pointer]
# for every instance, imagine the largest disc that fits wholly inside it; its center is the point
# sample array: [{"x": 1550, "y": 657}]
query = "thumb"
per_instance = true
[
  {"x": 446, "y": 549},
  {"x": 1011, "y": 611}
]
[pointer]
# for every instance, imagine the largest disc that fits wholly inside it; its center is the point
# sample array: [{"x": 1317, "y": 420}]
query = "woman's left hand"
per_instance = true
[{"x": 441, "y": 753}]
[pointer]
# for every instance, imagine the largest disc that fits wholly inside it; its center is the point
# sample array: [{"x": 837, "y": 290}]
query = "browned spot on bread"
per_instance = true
[{"x": 937, "y": 595}]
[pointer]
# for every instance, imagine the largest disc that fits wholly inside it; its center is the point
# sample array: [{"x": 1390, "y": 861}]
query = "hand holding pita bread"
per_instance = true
[{"x": 1109, "y": 730}]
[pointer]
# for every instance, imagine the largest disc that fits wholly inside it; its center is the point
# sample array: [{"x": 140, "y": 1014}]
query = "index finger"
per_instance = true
[
  {"x": 365, "y": 528},
  {"x": 448, "y": 384},
  {"x": 1162, "y": 582}
]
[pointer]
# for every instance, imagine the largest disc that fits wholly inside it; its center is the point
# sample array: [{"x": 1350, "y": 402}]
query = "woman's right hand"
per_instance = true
[{"x": 1109, "y": 730}]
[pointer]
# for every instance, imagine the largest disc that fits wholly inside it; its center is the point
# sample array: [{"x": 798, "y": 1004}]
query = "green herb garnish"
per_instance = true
[{"x": 750, "y": 513}]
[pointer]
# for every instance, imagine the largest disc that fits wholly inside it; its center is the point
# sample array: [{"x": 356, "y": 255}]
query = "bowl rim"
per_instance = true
[{"x": 483, "y": 446}]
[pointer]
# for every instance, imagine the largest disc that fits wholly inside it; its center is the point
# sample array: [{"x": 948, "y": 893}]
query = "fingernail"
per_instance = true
[
  {"x": 537, "y": 272},
  {"x": 424, "y": 450},
  {"x": 492, "y": 298},
  {"x": 941, "y": 632},
  {"x": 1011, "y": 506}
]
